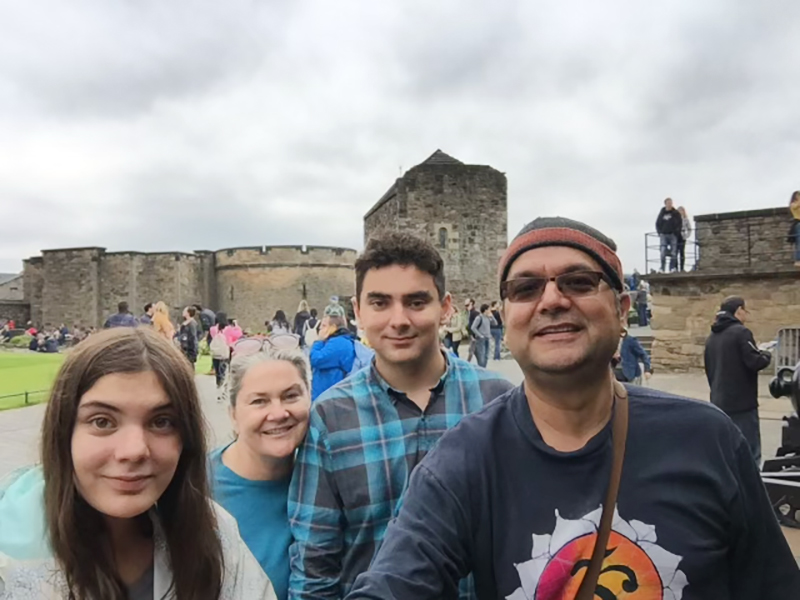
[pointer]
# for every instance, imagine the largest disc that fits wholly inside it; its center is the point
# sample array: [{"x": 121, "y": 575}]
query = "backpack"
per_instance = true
[
  {"x": 219, "y": 347},
  {"x": 206, "y": 321},
  {"x": 188, "y": 342},
  {"x": 310, "y": 333},
  {"x": 363, "y": 357}
]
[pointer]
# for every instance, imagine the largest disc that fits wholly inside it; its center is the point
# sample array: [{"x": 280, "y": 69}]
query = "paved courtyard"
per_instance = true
[{"x": 19, "y": 429}]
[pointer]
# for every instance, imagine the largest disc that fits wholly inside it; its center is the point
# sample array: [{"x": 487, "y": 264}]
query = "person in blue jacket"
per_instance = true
[
  {"x": 631, "y": 354},
  {"x": 332, "y": 356}
]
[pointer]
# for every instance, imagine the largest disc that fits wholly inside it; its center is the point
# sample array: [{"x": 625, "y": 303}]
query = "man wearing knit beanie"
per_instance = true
[{"x": 515, "y": 493}]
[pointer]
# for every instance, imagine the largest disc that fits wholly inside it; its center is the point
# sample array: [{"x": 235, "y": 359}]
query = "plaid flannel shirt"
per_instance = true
[{"x": 364, "y": 439}]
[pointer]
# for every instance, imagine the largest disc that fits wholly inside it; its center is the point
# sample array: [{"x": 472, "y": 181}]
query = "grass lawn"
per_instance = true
[{"x": 22, "y": 372}]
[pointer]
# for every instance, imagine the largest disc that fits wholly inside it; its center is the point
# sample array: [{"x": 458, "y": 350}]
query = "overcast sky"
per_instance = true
[{"x": 152, "y": 125}]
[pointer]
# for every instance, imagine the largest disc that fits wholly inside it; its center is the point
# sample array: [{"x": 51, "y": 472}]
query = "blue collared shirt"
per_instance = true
[{"x": 363, "y": 442}]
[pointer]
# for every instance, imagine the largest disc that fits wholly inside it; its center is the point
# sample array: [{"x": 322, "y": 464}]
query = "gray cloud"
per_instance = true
[{"x": 181, "y": 126}]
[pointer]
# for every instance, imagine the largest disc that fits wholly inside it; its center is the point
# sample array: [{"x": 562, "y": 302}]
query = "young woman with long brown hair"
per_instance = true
[{"x": 127, "y": 514}]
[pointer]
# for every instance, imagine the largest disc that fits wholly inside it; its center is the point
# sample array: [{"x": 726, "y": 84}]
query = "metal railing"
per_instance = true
[
  {"x": 749, "y": 252},
  {"x": 652, "y": 254},
  {"x": 787, "y": 351},
  {"x": 28, "y": 397}
]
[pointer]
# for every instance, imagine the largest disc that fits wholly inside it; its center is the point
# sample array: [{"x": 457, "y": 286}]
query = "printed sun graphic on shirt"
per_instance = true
[{"x": 635, "y": 566}]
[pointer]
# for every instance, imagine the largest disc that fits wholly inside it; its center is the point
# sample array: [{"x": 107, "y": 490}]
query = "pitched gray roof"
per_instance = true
[{"x": 4, "y": 277}]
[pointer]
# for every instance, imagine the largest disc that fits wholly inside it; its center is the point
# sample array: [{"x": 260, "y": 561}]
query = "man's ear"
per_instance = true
[
  {"x": 356, "y": 311},
  {"x": 624, "y": 308},
  {"x": 447, "y": 308}
]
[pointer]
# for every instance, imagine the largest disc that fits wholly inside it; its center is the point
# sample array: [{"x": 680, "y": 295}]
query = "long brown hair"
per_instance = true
[{"x": 76, "y": 530}]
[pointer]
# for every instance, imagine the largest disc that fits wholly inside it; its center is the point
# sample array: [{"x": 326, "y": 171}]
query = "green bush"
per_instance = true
[{"x": 21, "y": 341}]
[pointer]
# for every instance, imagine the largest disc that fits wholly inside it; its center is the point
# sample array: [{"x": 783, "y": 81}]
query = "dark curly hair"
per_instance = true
[{"x": 402, "y": 249}]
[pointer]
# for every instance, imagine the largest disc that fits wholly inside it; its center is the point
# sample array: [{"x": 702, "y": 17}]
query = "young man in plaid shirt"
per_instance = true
[{"x": 367, "y": 433}]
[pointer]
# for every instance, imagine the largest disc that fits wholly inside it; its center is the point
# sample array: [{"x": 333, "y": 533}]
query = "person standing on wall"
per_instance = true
[
  {"x": 686, "y": 233},
  {"x": 732, "y": 363},
  {"x": 497, "y": 329},
  {"x": 668, "y": 226}
]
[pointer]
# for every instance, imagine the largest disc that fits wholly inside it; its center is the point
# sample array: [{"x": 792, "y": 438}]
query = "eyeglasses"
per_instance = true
[{"x": 572, "y": 285}]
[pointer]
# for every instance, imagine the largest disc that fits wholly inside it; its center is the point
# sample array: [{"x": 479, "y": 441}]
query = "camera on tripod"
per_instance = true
[{"x": 781, "y": 475}]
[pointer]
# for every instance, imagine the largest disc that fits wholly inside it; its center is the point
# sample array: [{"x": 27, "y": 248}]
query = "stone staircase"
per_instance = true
[{"x": 647, "y": 343}]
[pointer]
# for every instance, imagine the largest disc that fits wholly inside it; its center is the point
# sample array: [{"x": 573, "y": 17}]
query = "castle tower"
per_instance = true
[{"x": 461, "y": 209}]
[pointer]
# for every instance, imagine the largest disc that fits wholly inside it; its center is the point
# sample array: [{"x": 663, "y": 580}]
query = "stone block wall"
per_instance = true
[
  {"x": 252, "y": 283},
  {"x": 684, "y": 307},
  {"x": 746, "y": 240},
  {"x": 16, "y": 310},
  {"x": 33, "y": 285},
  {"x": 391, "y": 214},
  {"x": 71, "y": 289},
  {"x": 84, "y": 286},
  {"x": 137, "y": 278},
  {"x": 462, "y": 210}
]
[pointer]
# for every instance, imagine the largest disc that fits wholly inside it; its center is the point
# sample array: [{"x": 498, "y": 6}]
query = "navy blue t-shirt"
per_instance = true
[{"x": 692, "y": 519}]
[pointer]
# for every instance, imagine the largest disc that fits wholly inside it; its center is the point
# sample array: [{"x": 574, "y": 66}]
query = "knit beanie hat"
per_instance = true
[{"x": 560, "y": 231}]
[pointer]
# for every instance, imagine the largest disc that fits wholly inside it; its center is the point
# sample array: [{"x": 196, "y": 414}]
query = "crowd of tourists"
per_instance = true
[{"x": 413, "y": 475}]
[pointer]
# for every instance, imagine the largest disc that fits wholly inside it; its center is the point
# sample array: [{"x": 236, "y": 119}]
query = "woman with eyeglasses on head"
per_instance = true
[
  {"x": 270, "y": 403},
  {"x": 119, "y": 509}
]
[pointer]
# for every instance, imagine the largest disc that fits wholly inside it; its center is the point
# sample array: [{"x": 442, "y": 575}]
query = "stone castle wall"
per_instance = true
[
  {"x": 82, "y": 286},
  {"x": 15, "y": 310},
  {"x": 33, "y": 286},
  {"x": 139, "y": 278},
  {"x": 685, "y": 307},
  {"x": 71, "y": 286},
  {"x": 462, "y": 210},
  {"x": 741, "y": 254},
  {"x": 252, "y": 283},
  {"x": 744, "y": 241}
]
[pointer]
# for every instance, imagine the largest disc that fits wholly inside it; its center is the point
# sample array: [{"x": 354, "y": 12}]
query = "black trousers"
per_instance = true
[{"x": 748, "y": 423}]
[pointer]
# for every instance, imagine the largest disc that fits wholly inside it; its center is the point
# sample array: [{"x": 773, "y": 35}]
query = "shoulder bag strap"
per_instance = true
[{"x": 619, "y": 435}]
